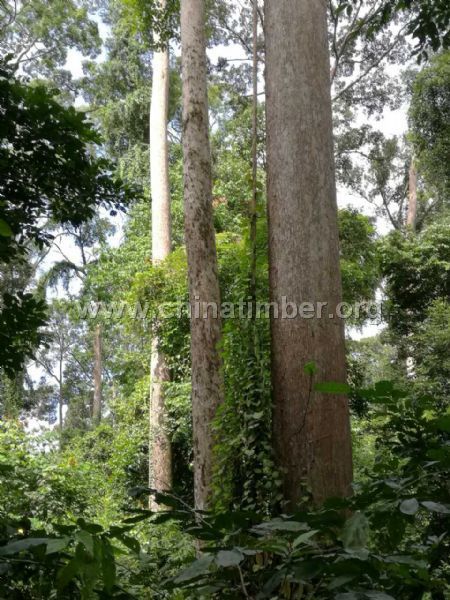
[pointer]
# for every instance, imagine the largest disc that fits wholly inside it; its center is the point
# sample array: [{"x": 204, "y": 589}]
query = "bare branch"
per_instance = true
[{"x": 373, "y": 66}]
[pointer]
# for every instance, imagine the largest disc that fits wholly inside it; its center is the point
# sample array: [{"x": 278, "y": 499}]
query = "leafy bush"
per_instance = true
[{"x": 386, "y": 542}]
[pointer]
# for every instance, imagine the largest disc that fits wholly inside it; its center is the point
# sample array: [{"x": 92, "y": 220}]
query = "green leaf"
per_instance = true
[
  {"x": 90, "y": 527},
  {"x": 304, "y": 538},
  {"x": 281, "y": 525},
  {"x": 56, "y": 545},
  {"x": 378, "y": 596},
  {"x": 339, "y": 581},
  {"x": 332, "y": 388},
  {"x": 443, "y": 423},
  {"x": 409, "y": 507},
  {"x": 196, "y": 569},
  {"x": 355, "y": 532},
  {"x": 141, "y": 516},
  {"x": 108, "y": 566},
  {"x": 310, "y": 368},
  {"x": 87, "y": 540},
  {"x": 129, "y": 542},
  {"x": 436, "y": 507},
  {"x": 22, "y": 545},
  {"x": 138, "y": 491},
  {"x": 5, "y": 229},
  {"x": 68, "y": 573},
  {"x": 229, "y": 558}
]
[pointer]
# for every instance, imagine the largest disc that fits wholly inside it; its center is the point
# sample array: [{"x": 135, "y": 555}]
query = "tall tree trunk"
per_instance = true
[
  {"x": 254, "y": 202},
  {"x": 60, "y": 392},
  {"x": 97, "y": 403},
  {"x": 412, "y": 203},
  {"x": 311, "y": 430},
  {"x": 207, "y": 383},
  {"x": 160, "y": 463}
]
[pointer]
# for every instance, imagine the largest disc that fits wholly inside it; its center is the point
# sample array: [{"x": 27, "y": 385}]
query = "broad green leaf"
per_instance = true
[
  {"x": 281, "y": 525},
  {"x": 108, "y": 566},
  {"x": 332, "y": 388},
  {"x": 128, "y": 541},
  {"x": 90, "y": 527},
  {"x": 87, "y": 540},
  {"x": 409, "y": 507},
  {"x": 68, "y": 573},
  {"x": 196, "y": 569},
  {"x": 304, "y": 538},
  {"x": 339, "y": 581},
  {"x": 404, "y": 559},
  {"x": 355, "y": 532},
  {"x": 229, "y": 558},
  {"x": 22, "y": 545},
  {"x": 442, "y": 423},
  {"x": 5, "y": 229},
  {"x": 57, "y": 545},
  {"x": 141, "y": 516},
  {"x": 436, "y": 507}
]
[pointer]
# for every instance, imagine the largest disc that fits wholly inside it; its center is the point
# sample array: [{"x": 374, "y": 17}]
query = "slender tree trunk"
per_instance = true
[
  {"x": 60, "y": 393},
  {"x": 97, "y": 403},
  {"x": 160, "y": 463},
  {"x": 207, "y": 384},
  {"x": 412, "y": 204},
  {"x": 311, "y": 430},
  {"x": 254, "y": 202}
]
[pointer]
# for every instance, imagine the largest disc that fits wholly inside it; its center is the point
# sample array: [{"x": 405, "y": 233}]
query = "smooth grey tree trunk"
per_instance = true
[
  {"x": 160, "y": 463},
  {"x": 412, "y": 200},
  {"x": 97, "y": 403},
  {"x": 311, "y": 430},
  {"x": 207, "y": 383}
]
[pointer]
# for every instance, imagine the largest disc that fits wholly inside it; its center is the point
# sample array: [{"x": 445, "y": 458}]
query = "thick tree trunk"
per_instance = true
[
  {"x": 412, "y": 203},
  {"x": 160, "y": 463},
  {"x": 97, "y": 403},
  {"x": 207, "y": 384},
  {"x": 311, "y": 430}
]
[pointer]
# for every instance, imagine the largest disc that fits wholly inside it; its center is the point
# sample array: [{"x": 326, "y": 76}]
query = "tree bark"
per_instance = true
[
  {"x": 160, "y": 463},
  {"x": 411, "y": 218},
  {"x": 60, "y": 392},
  {"x": 97, "y": 403},
  {"x": 311, "y": 430},
  {"x": 254, "y": 201},
  {"x": 207, "y": 383}
]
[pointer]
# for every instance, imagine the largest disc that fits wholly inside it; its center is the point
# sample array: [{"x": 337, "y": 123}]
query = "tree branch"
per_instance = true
[{"x": 372, "y": 66}]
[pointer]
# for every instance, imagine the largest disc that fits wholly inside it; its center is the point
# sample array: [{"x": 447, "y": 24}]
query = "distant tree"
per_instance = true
[
  {"x": 417, "y": 273},
  {"x": 52, "y": 359},
  {"x": 429, "y": 117},
  {"x": 429, "y": 349},
  {"x": 36, "y": 36},
  {"x": 160, "y": 452},
  {"x": 89, "y": 239}
]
